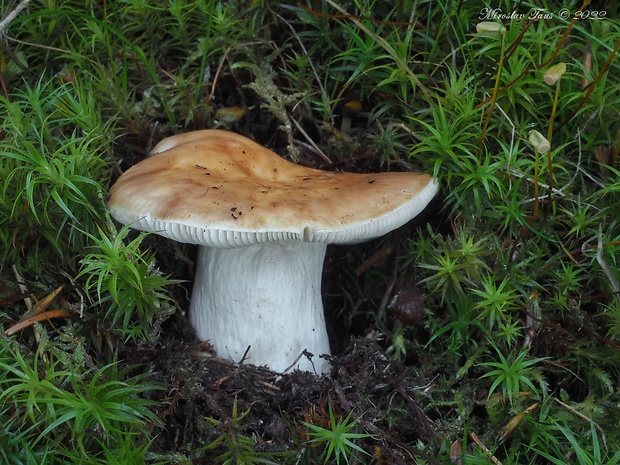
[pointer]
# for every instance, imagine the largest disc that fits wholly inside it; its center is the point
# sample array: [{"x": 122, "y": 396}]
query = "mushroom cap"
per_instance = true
[{"x": 219, "y": 189}]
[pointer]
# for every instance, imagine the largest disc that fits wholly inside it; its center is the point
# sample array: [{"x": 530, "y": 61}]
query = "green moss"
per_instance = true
[{"x": 518, "y": 261}]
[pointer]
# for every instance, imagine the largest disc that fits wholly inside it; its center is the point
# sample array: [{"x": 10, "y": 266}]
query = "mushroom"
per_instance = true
[{"x": 263, "y": 224}]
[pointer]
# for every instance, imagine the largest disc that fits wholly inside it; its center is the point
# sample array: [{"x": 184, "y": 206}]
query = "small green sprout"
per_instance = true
[
  {"x": 512, "y": 374},
  {"x": 338, "y": 439}
]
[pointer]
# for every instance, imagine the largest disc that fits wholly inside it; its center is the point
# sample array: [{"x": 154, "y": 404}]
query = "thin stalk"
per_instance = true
[
  {"x": 592, "y": 85},
  {"x": 536, "y": 205},
  {"x": 495, "y": 93},
  {"x": 549, "y": 135}
]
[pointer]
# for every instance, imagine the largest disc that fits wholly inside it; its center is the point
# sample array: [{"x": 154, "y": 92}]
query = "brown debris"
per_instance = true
[{"x": 364, "y": 382}]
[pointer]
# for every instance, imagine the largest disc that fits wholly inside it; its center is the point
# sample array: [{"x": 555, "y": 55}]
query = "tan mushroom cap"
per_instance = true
[{"x": 220, "y": 189}]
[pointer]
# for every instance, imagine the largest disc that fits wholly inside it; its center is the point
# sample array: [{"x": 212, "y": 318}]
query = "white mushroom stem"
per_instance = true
[{"x": 267, "y": 296}]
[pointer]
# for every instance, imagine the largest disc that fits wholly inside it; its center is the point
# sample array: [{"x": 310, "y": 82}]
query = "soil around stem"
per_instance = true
[{"x": 364, "y": 382}]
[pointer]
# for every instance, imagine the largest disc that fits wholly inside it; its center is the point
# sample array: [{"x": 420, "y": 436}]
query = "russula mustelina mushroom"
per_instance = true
[{"x": 263, "y": 225}]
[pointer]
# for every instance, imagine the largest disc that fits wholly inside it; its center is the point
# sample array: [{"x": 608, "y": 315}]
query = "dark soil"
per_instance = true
[{"x": 364, "y": 383}]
